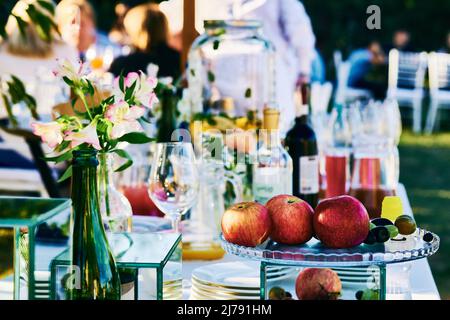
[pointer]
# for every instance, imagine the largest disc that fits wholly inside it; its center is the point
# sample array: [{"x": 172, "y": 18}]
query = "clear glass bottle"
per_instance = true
[
  {"x": 114, "y": 206},
  {"x": 272, "y": 172},
  {"x": 231, "y": 59}
]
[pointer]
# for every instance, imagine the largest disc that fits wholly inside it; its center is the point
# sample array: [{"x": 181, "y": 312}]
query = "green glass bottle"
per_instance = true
[{"x": 96, "y": 276}]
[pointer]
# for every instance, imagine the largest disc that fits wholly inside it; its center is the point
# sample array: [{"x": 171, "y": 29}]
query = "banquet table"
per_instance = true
[{"x": 423, "y": 286}]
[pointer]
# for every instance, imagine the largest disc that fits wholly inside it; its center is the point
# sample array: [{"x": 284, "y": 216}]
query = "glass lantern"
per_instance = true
[{"x": 231, "y": 65}]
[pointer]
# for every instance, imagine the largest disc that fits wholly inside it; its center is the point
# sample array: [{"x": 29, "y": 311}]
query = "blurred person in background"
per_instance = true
[
  {"x": 401, "y": 40},
  {"x": 27, "y": 55},
  {"x": 446, "y": 47},
  {"x": 362, "y": 63},
  {"x": 147, "y": 28},
  {"x": 287, "y": 25},
  {"x": 77, "y": 23},
  {"x": 118, "y": 33}
]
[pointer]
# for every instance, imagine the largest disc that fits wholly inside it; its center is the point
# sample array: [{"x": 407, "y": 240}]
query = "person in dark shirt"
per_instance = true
[
  {"x": 401, "y": 40},
  {"x": 148, "y": 30},
  {"x": 364, "y": 65},
  {"x": 446, "y": 47}
]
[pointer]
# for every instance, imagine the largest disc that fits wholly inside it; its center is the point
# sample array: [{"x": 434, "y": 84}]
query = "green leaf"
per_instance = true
[
  {"x": 216, "y": 44},
  {"x": 65, "y": 144},
  {"x": 121, "y": 83},
  {"x": 66, "y": 175},
  {"x": 8, "y": 107},
  {"x": 68, "y": 81},
  {"x": 60, "y": 158},
  {"x": 123, "y": 154},
  {"x": 130, "y": 90},
  {"x": 211, "y": 76},
  {"x": 47, "y": 6},
  {"x": 91, "y": 89},
  {"x": 248, "y": 93},
  {"x": 135, "y": 138},
  {"x": 22, "y": 26}
]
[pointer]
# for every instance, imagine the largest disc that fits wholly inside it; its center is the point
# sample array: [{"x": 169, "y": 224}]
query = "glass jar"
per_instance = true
[
  {"x": 375, "y": 172},
  {"x": 231, "y": 61}
]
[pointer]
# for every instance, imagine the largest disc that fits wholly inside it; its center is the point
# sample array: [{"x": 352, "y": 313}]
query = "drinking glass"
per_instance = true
[
  {"x": 337, "y": 171},
  {"x": 133, "y": 182},
  {"x": 173, "y": 182}
]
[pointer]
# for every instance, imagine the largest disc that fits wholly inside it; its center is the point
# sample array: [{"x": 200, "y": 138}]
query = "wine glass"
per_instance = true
[{"x": 173, "y": 182}]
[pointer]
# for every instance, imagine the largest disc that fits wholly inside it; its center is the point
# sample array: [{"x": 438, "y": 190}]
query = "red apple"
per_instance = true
[
  {"x": 318, "y": 284},
  {"x": 292, "y": 219},
  {"x": 341, "y": 222},
  {"x": 246, "y": 224}
]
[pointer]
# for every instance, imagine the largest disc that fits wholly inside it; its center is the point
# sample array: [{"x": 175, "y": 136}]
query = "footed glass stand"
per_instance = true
[
  {"x": 149, "y": 266},
  {"x": 359, "y": 268},
  {"x": 32, "y": 232}
]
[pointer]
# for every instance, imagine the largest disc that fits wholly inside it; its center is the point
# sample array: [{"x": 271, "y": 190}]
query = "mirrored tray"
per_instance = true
[{"x": 313, "y": 253}]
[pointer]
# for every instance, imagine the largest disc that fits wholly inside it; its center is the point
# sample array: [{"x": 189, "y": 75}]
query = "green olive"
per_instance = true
[
  {"x": 405, "y": 225},
  {"x": 277, "y": 293},
  {"x": 393, "y": 231}
]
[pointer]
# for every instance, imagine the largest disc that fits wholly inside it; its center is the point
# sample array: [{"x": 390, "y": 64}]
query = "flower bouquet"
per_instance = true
[{"x": 103, "y": 125}]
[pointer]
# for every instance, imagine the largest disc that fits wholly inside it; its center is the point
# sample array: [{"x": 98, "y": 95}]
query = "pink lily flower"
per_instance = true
[
  {"x": 86, "y": 135},
  {"x": 50, "y": 133},
  {"x": 124, "y": 118}
]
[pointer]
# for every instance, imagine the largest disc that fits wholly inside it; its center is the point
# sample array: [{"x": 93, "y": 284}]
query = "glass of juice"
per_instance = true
[
  {"x": 337, "y": 171},
  {"x": 133, "y": 183}
]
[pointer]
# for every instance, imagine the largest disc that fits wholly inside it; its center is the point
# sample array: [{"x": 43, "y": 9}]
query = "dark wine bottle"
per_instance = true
[
  {"x": 301, "y": 145},
  {"x": 96, "y": 276}
]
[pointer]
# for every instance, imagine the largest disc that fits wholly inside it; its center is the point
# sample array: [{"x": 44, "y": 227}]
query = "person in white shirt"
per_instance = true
[{"x": 287, "y": 25}]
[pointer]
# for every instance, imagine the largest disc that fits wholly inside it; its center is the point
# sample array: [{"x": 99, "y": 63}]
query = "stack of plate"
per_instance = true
[
  {"x": 356, "y": 277},
  {"x": 42, "y": 285},
  {"x": 172, "y": 290},
  {"x": 231, "y": 281}
]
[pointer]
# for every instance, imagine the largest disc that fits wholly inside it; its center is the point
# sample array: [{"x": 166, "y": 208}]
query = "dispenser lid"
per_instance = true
[{"x": 271, "y": 118}]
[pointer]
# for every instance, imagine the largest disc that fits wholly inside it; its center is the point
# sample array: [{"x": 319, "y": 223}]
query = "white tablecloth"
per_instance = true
[{"x": 423, "y": 286}]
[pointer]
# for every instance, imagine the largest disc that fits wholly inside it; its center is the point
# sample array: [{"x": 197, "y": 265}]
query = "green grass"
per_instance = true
[{"x": 425, "y": 171}]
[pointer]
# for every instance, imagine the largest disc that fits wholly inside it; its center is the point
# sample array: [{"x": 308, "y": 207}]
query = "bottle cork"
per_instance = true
[{"x": 271, "y": 119}]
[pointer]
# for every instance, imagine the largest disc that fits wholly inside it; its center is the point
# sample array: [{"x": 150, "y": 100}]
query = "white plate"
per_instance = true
[
  {"x": 229, "y": 274},
  {"x": 207, "y": 288},
  {"x": 208, "y": 296}
]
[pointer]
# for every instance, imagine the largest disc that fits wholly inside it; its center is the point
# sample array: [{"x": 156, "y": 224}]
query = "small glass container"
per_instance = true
[
  {"x": 152, "y": 260},
  {"x": 32, "y": 232}
]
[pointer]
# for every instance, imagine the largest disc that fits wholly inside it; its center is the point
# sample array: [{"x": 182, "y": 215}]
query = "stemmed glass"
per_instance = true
[{"x": 173, "y": 182}]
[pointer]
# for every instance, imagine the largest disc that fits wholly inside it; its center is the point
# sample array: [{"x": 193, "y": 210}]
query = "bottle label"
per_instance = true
[
  {"x": 269, "y": 182},
  {"x": 309, "y": 174}
]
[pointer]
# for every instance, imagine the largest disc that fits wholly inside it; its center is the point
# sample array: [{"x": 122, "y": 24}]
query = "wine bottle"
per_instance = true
[
  {"x": 96, "y": 276},
  {"x": 302, "y": 147},
  {"x": 272, "y": 172}
]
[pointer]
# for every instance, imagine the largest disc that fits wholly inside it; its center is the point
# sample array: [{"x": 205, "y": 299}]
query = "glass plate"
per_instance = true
[{"x": 313, "y": 253}]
